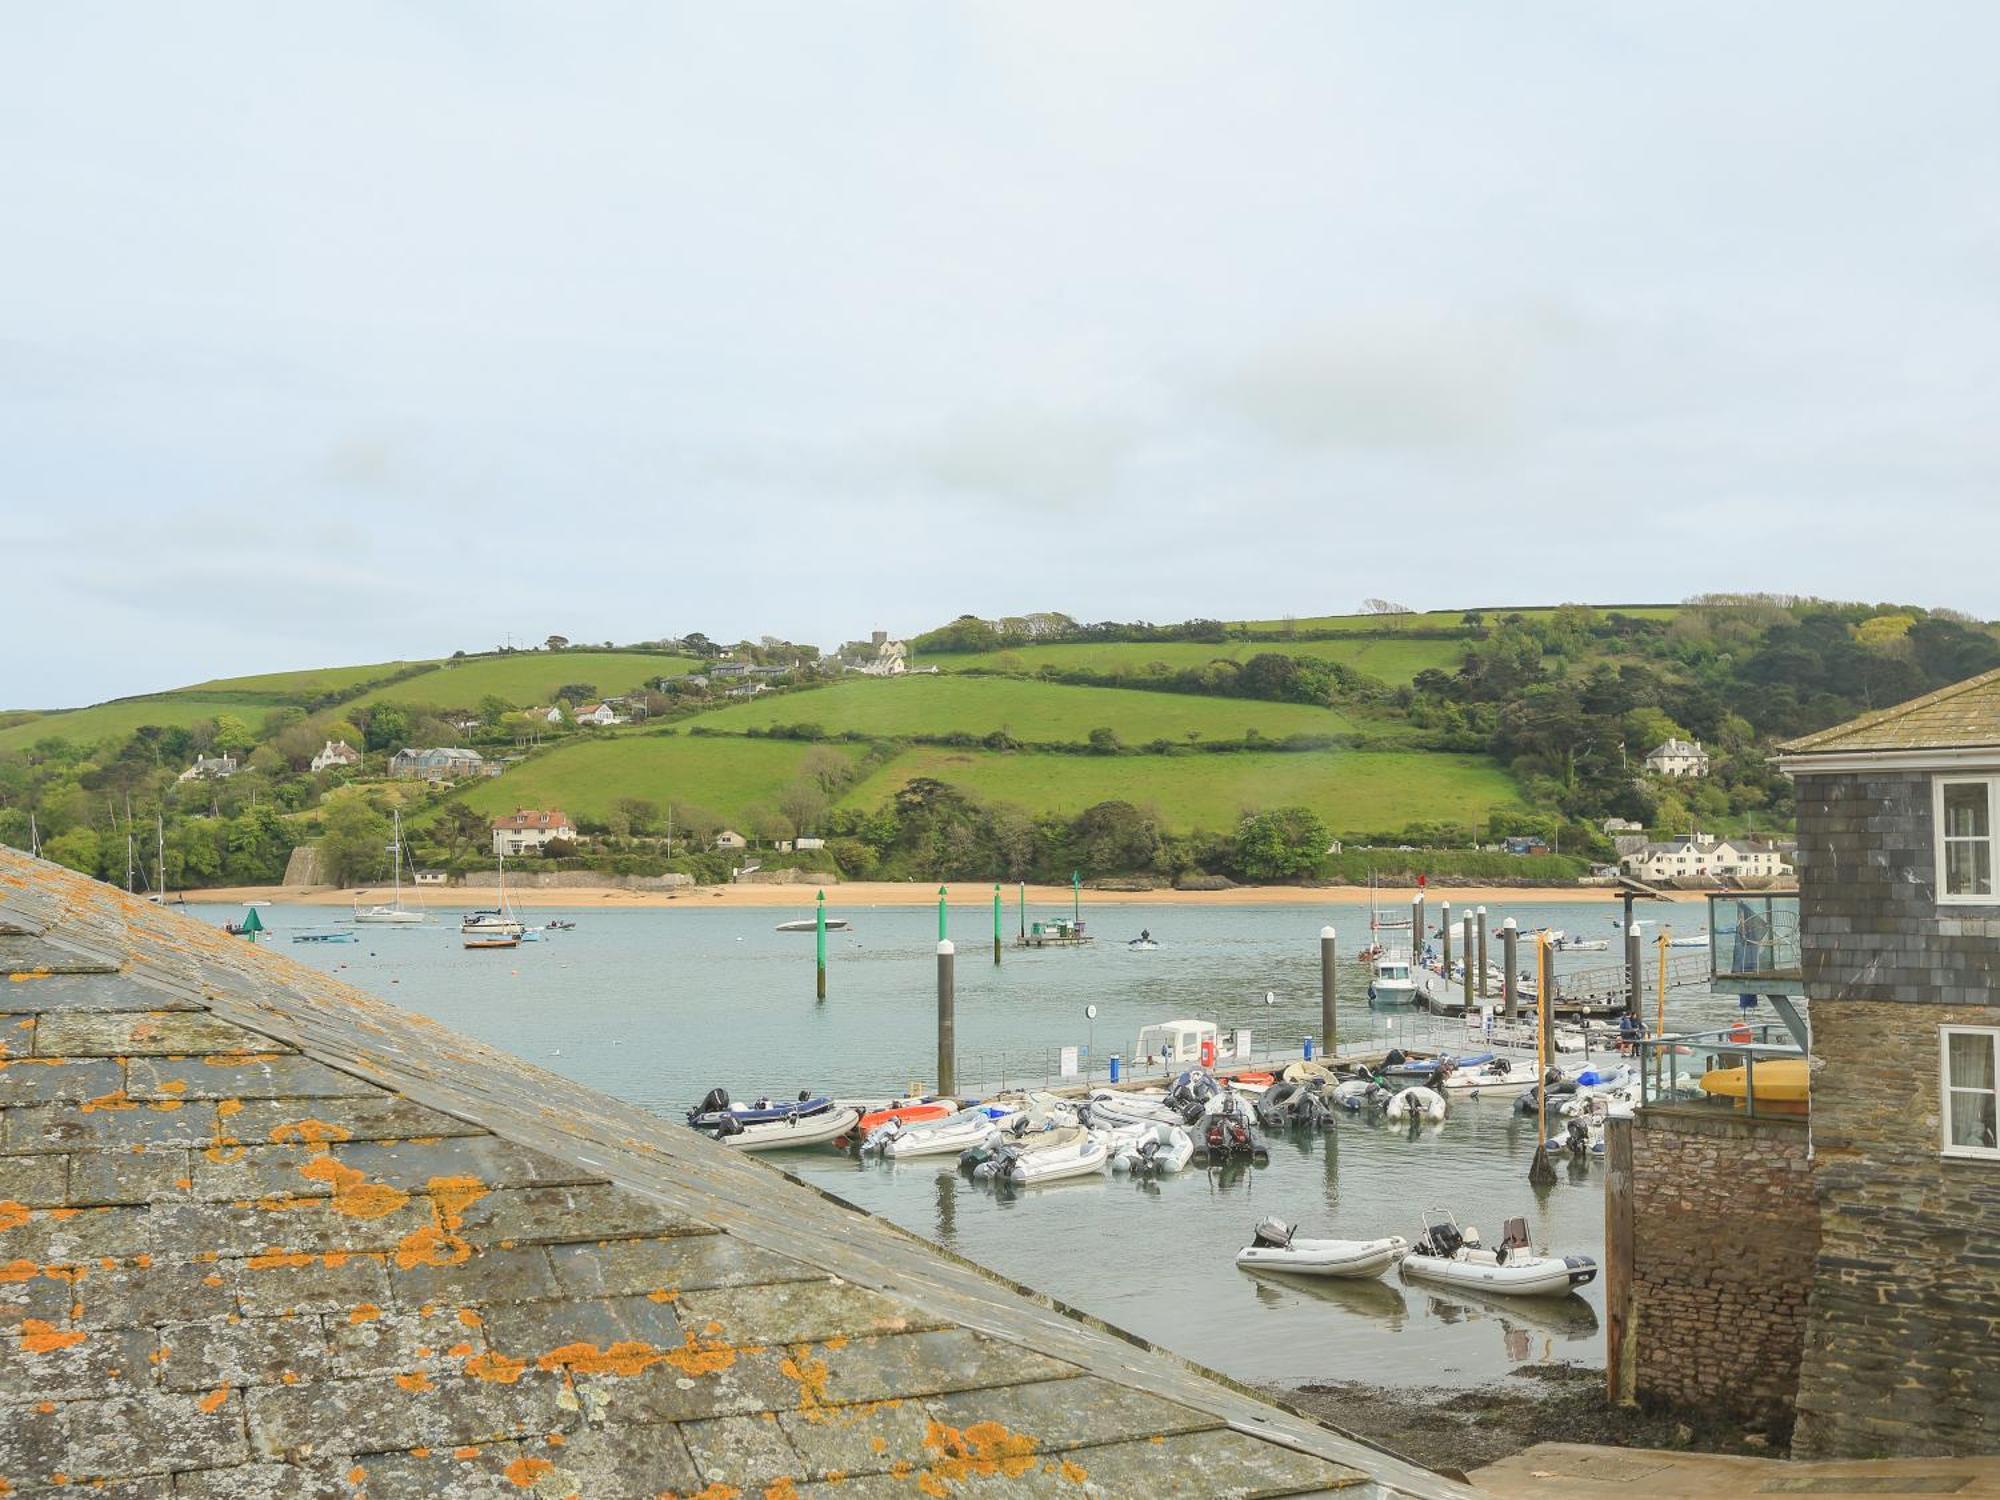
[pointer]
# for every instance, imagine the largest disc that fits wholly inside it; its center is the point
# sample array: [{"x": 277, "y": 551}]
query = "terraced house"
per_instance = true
[{"x": 263, "y": 1236}]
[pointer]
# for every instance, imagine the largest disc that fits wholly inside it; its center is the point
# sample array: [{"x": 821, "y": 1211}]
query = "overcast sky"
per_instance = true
[{"x": 337, "y": 334}]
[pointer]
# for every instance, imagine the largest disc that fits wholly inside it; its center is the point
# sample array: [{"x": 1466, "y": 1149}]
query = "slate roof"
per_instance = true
[
  {"x": 1964, "y": 716},
  {"x": 264, "y": 1235}
]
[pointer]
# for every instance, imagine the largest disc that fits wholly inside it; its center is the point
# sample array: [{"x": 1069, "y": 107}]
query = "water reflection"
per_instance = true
[{"x": 1368, "y": 1297}]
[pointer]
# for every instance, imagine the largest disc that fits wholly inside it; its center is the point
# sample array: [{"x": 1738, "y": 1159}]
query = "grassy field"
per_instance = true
[
  {"x": 530, "y": 679},
  {"x": 88, "y": 725},
  {"x": 729, "y": 777},
  {"x": 1354, "y": 791},
  {"x": 1444, "y": 619},
  {"x": 1034, "y": 711},
  {"x": 1389, "y": 661},
  {"x": 311, "y": 682}
]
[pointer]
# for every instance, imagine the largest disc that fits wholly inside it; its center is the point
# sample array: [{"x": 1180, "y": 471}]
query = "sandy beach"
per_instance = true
[{"x": 866, "y": 893}]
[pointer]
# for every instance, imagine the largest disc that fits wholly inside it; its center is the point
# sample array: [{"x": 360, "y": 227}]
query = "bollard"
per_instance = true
[
  {"x": 1482, "y": 953},
  {"x": 1114, "y": 1067},
  {"x": 1444, "y": 935},
  {"x": 819, "y": 936},
  {"x": 1306, "y": 1048},
  {"x": 947, "y": 1056},
  {"x": 1465, "y": 932},
  {"x": 996, "y": 924},
  {"x": 1510, "y": 984},
  {"x": 1328, "y": 1025}
]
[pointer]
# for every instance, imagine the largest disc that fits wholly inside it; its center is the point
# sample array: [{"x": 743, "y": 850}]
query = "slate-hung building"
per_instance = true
[
  {"x": 1899, "y": 878},
  {"x": 263, "y": 1236}
]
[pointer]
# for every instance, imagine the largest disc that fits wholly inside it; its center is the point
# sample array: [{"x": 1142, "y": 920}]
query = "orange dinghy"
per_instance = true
[{"x": 909, "y": 1113}]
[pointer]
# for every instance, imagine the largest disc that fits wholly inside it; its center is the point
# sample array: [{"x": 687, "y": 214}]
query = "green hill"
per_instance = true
[{"x": 1390, "y": 661}]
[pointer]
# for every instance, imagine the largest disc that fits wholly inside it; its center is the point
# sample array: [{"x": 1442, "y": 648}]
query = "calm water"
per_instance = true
[{"x": 659, "y": 1006}]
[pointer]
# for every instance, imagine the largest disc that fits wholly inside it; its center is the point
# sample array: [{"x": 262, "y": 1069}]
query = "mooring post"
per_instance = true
[
  {"x": 1661, "y": 1029},
  {"x": 819, "y": 941},
  {"x": 1444, "y": 935},
  {"x": 1416, "y": 929},
  {"x": 941, "y": 918},
  {"x": 1541, "y": 1171},
  {"x": 1076, "y": 896},
  {"x": 1482, "y": 953},
  {"x": 1024, "y": 911},
  {"x": 1328, "y": 1027},
  {"x": 1635, "y": 983},
  {"x": 947, "y": 1058},
  {"x": 1510, "y": 982},
  {"x": 996, "y": 924},
  {"x": 1621, "y": 1345},
  {"x": 1465, "y": 932}
]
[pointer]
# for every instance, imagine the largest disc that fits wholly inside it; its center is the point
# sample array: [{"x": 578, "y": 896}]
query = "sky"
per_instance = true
[{"x": 345, "y": 334}]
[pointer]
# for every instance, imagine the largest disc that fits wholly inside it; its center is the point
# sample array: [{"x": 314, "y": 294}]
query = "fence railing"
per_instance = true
[{"x": 1671, "y": 1068}]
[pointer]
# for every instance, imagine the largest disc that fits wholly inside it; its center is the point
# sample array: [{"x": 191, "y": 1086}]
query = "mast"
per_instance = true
[
  {"x": 34, "y": 837},
  {"x": 396, "y": 855},
  {"x": 160, "y": 829}
]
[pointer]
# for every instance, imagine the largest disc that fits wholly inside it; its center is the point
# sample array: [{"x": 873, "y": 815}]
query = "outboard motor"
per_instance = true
[
  {"x": 1578, "y": 1141},
  {"x": 713, "y": 1102},
  {"x": 1441, "y": 1240},
  {"x": 1272, "y": 1234},
  {"x": 727, "y": 1125}
]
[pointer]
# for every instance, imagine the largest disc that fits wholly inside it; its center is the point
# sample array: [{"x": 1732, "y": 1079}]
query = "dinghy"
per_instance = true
[
  {"x": 809, "y": 1120},
  {"x": 1354, "y": 1094},
  {"x": 1276, "y": 1247},
  {"x": 945, "y": 1137},
  {"x": 1116, "y": 1107},
  {"x": 1014, "y": 1141},
  {"x": 1447, "y": 1255},
  {"x": 1025, "y": 1167},
  {"x": 1151, "y": 1150},
  {"x": 1415, "y": 1104}
]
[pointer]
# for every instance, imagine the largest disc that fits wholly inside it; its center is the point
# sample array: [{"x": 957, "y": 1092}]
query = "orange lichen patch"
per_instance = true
[
  {"x": 308, "y": 1133},
  {"x": 460, "y": 1351},
  {"x": 212, "y": 1402},
  {"x": 289, "y": 1377},
  {"x": 173, "y": 1086},
  {"x": 113, "y": 1101},
  {"x": 1073, "y": 1472},
  {"x": 45, "y": 1407},
  {"x": 211, "y": 1279},
  {"x": 238, "y": 1059},
  {"x": 439, "y": 1243},
  {"x": 13, "y": 1213},
  {"x": 468, "y": 1451},
  {"x": 64, "y": 1215},
  {"x": 980, "y": 1450},
  {"x": 497, "y": 1368},
  {"x": 523, "y": 1473},
  {"x": 227, "y": 1107},
  {"x": 701, "y": 1357},
  {"x": 416, "y": 1380},
  {"x": 420, "y": 1452},
  {"x": 185, "y": 1184},
  {"x": 663, "y": 1294},
  {"x": 356, "y": 1474},
  {"x": 39, "y": 1337},
  {"x": 810, "y": 1374},
  {"x": 159, "y": 1356},
  {"x": 18, "y": 1270},
  {"x": 273, "y": 1260},
  {"x": 837, "y": 1342},
  {"x": 781, "y": 1489},
  {"x": 27, "y": 974},
  {"x": 470, "y": 1318},
  {"x": 717, "y": 1491},
  {"x": 353, "y": 1194},
  {"x": 367, "y": 1312},
  {"x": 164, "y": 1106},
  {"x": 555, "y": 1440},
  {"x": 622, "y": 1357}
]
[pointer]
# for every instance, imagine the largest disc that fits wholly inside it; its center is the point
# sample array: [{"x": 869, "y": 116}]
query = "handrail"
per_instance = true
[{"x": 1661, "y": 1084}]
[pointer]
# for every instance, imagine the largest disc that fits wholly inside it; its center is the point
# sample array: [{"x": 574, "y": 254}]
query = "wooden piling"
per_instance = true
[
  {"x": 1510, "y": 984},
  {"x": 1444, "y": 935},
  {"x": 1465, "y": 932},
  {"x": 819, "y": 941},
  {"x": 1482, "y": 953},
  {"x": 1541, "y": 1171},
  {"x": 1635, "y": 996},
  {"x": 1328, "y": 1027},
  {"x": 996, "y": 924},
  {"x": 1416, "y": 928},
  {"x": 1621, "y": 1344},
  {"x": 947, "y": 1019}
]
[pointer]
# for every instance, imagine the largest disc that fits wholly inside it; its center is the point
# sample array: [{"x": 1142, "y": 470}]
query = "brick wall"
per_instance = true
[
  {"x": 1903, "y": 1353},
  {"x": 1723, "y": 1241}
]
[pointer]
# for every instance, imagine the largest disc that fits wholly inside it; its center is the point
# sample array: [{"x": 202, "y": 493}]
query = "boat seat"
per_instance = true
[{"x": 1514, "y": 1235}]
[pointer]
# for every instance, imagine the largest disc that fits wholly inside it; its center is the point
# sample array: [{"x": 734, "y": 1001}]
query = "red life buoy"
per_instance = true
[
  {"x": 1208, "y": 1052},
  {"x": 1741, "y": 1032}
]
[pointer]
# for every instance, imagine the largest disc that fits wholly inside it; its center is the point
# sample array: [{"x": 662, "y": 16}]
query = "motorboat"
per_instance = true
[
  {"x": 1275, "y": 1246},
  {"x": 1474, "y": 1076},
  {"x": 811, "y": 924},
  {"x": 1415, "y": 1104},
  {"x": 474, "y": 939},
  {"x": 1455, "y": 1257},
  {"x": 1028, "y": 1162},
  {"x": 1391, "y": 984},
  {"x": 1696, "y": 940},
  {"x": 943, "y": 1137},
  {"x": 1224, "y": 1135},
  {"x": 1143, "y": 943},
  {"x": 1150, "y": 1150},
  {"x": 1252, "y": 1083},
  {"x": 1569, "y": 942},
  {"x": 1285, "y": 1105},
  {"x": 772, "y": 1125},
  {"x": 1356, "y": 1094},
  {"x": 1020, "y": 1136}
]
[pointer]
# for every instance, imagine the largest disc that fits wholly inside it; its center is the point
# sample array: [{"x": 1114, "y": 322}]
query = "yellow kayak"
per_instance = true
[{"x": 1783, "y": 1086}]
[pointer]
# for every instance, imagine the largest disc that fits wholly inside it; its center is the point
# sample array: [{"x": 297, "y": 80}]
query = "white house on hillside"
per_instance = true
[
  {"x": 209, "y": 768},
  {"x": 599, "y": 713},
  {"x": 336, "y": 753},
  {"x": 729, "y": 838},
  {"x": 526, "y": 830},
  {"x": 1677, "y": 757},
  {"x": 881, "y": 657},
  {"x": 1703, "y": 857}
]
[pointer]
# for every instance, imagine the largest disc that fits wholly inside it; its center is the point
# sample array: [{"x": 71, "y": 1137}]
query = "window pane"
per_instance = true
[
  {"x": 1965, "y": 810},
  {"x": 1968, "y": 867},
  {"x": 1972, "y": 1119},
  {"x": 1971, "y": 1059}
]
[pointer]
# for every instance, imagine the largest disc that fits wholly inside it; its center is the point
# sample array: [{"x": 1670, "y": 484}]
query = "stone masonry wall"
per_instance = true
[
  {"x": 1902, "y": 1356},
  {"x": 1870, "y": 927},
  {"x": 1723, "y": 1240}
]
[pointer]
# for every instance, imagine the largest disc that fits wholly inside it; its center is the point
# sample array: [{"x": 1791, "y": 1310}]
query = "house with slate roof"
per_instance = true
[
  {"x": 264, "y": 1235},
  {"x": 1677, "y": 757}
]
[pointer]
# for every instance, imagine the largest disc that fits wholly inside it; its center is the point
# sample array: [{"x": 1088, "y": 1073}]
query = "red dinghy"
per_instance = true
[{"x": 908, "y": 1114}]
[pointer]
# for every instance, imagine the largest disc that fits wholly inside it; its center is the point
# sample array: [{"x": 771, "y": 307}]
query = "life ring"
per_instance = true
[
  {"x": 1741, "y": 1032},
  {"x": 1208, "y": 1052}
]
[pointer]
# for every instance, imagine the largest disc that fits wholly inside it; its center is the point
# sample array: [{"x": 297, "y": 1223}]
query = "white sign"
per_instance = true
[
  {"x": 1069, "y": 1062},
  {"x": 1242, "y": 1042}
]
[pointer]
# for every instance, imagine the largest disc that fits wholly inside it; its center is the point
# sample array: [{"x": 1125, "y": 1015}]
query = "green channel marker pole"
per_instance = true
[
  {"x": 941, "y": 931},
  {"x": 819, "y": 935},
  {"x": 996, "y": 924}
]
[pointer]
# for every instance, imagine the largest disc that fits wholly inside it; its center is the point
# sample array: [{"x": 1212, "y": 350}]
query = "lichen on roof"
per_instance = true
[
  {"x": 1964, "y": 716},
  {"x": 264, "y": 1235}
]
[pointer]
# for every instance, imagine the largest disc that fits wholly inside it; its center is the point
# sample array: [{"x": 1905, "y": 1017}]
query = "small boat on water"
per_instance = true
[
  {"x": 1150, "y": 1150},
  {"x": 1117, "y": 1107},
  {"x": 395, "y": 914},
  {"x": 811, "y": 924},
  {"x": 1391, "y": 984},
  {"x": 491, "y": 939},
  {"x": 1275, "y": 1246},
  {"x": 1455, "y": 1257},
  {"x": 336, "y": 935},
  {"x": 1143, "y": 943},
  {"x": 1028, "y": 1162},
  {"x": 497, "y": 926},
  {"x": 1415, "y": 1104},
  {"x": 767, "y": 1125},
  {"x": 943, "y": 1137},
  {"x": 558, "y": 925}
]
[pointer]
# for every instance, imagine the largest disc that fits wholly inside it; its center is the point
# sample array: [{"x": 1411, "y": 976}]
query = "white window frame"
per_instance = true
[
  {"x": 1945, "y": 1034},
  {"x": 1938, "y": 785}
]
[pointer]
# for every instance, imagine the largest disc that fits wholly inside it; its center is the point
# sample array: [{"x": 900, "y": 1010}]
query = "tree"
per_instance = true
[
  {"x": 355, "y": 844},
  {"x": 388, "y": 727},
  {"x": 232, "y": 735},
  {"x": 1104, "y": 741},
  {"x": 1281, "y": 844},
  {"x": 493, "y": 708},
  {"x": 641, "y": 816},
  {"x": 828, "y": 769},
  {"x": 577, "y": 692},
  {"x": 556, "y": 643},
  {"x": 78, "y": 848},
  {"x": 802, "y": 804},
  {"x": 1113, "y": 837}
]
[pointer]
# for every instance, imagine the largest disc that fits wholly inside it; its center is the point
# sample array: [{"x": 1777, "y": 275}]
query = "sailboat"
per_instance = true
[
  {"x": 395, "y": 913},
  {"x": 497, "y": 927}
]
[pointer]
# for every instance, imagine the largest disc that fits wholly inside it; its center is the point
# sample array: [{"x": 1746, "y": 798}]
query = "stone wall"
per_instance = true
[
  {"x": 1723, "y": 1240},
  {"x": 1903, "y": 1351},
  {"x": 1870, "y": 927}
]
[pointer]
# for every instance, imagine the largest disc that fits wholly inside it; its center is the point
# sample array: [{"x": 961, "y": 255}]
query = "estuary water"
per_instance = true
[{"x": 660, "y": 1005}]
